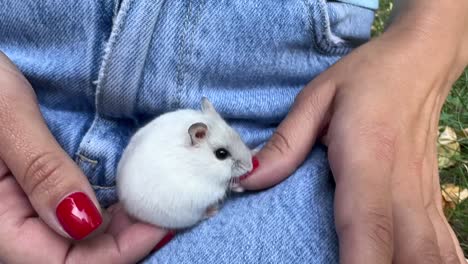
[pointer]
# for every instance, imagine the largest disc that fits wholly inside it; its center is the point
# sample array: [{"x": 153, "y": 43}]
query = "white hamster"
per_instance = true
[{"x": 177, "y": 168}]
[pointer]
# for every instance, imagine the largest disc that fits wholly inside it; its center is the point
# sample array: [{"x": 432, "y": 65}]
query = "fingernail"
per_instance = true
[
  {"x": 78, "y": 215},
  {"x": 168, "y": 237},
  {"x": 255, "y": 164}
]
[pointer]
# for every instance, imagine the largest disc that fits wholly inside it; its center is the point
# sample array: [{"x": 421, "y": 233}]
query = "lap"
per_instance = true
[
  {"x": 149, "y": 58},
  {"x": 288, "y": 223}
]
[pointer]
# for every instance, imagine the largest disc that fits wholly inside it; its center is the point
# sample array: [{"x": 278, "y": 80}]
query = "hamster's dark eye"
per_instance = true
[{"x": 222, "y": 153}]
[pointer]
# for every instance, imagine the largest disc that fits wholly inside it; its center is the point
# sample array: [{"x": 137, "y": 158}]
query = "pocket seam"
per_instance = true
[
  {"x": 101, "y": 187},
  {"x": 319, "y": 23}
]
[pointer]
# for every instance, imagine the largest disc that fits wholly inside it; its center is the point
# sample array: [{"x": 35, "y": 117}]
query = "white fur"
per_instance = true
[{"x": 163, "y": 180}]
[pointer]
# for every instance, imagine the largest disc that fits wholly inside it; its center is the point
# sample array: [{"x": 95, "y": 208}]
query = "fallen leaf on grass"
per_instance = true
[
  {"x": 447, "y": 147},
  {"x": 465, "y": 131},
  {"x": 453, "y": 195}
]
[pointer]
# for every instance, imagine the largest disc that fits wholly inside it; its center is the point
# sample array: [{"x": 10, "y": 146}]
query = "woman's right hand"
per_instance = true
[{"x": 46, "y": 201}]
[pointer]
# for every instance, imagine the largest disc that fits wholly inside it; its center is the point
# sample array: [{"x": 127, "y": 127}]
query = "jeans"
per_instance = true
[{"x": 102, "y": 69}]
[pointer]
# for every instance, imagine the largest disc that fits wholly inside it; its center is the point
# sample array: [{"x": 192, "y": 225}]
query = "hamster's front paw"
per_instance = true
[
  {"x": 236, "y": 187},
  {"x": 211, "y": 211}
]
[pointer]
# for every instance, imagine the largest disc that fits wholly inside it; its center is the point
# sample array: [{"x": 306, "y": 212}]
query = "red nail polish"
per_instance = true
[
  {"x": 255, "y": 164},
  {"x": 164, "y": 241},
  {"x": 78, "y": 215}
]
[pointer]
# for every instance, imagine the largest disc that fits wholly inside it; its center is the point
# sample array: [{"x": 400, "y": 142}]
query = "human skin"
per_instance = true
[
  {"x": 377, "y": 110},
  {"x": 35, "y": 176},
  {"x": 381, "y": 104}
]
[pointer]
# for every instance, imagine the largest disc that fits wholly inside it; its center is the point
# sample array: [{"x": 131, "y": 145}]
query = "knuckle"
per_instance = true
[
  {"x": 416, "y": 165},
  {"x": 380, "y": 231},
  {"x": 41, "y": 173},
  {"x": 380, "y": 139},
  {"x": 377, "y": 226},
  {"x": 427, "y": 250},
  {"x": 310, "y": 106},
  {"x": 279, "y": 143}
]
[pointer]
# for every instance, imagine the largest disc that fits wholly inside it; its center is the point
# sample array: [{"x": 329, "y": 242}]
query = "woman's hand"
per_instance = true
[
  {"x": 378, "y": 109},
  {"x": 46, "y": 201}
]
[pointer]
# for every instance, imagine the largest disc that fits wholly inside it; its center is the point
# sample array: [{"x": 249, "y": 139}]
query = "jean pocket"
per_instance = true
[{"x": 338, "y": 27}]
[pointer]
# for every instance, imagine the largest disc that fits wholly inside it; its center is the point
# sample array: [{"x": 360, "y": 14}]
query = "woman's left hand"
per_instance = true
[{"x": 379, "y": 109}]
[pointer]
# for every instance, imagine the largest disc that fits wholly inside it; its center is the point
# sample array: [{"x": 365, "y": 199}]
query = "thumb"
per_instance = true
[
  {"x": 55, "y": 186},
  {"x": 294, "y": 137}
]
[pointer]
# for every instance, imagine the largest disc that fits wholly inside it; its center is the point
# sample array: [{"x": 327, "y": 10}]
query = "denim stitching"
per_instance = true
[
  {"x": 83, "y": 158},
  {"x": 324, "y": 40},
  {"x": 102, "y": 76},
  {"x": 196, "y": 19},
  {"x": 190, "y": 43},
  {"x": 321, "y": 29},
  {"x": 117, "y": 4},
  {"x": 141, "y": 75},
  {"x": 100, "y": 187},
  {"x": 114, "y": 37},
  {"x": 182, "y": 53},
  {"x": 122, "y": 79}
]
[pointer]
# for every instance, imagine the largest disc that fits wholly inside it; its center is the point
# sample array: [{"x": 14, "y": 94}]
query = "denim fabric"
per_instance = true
[
  {"x": 102, "y": 69},
  {"x": 289, "y": 223},
  {"x": 372, "y": 4}
]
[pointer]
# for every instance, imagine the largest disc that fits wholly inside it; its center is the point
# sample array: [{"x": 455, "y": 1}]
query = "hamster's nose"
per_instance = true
[
  {"x": 254, "y": 165},
  {"x": 251, "y": 164}
]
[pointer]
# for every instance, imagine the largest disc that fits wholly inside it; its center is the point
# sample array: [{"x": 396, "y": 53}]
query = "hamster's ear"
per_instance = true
[
  {"x": 207, "y": 106},
  {"x": 197, "y": 132}
]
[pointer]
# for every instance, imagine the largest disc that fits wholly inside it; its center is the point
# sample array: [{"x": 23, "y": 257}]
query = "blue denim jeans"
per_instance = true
[{"x": 102, "y": 69}]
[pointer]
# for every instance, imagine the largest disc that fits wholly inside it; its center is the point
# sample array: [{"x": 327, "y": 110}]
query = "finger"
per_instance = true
[
  {"x": 24, "y": 238},
  {"x": 449, "y": 246},
  {"x": 118, "y": 223},
  {"x": 363, "y": 212},
  {"x": 294, "y": 137},
  {"x": 121, "y": 220},
  {"x": 128, "y": 245},
  {"x": 415, "y": 235},
  {"x": 450, "y": 250},
  {"x": 55, "y": 186},
  {"x": 14, "y": 207}
]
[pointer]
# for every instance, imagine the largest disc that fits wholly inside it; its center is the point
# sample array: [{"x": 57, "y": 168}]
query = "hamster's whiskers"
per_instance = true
[
  {"x": 237, "y": 165},
  {"x": 232, "y": 181}
]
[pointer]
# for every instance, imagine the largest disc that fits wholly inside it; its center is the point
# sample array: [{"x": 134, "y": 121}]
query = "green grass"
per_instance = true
[{"x": 455, "y": 115}]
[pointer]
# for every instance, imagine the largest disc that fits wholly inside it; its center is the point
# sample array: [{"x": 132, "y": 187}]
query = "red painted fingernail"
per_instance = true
[
  {"x": 78, "y": 215},
  {"x": 255, "y": 164},
  {"x": 168, "y": 237}
]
